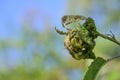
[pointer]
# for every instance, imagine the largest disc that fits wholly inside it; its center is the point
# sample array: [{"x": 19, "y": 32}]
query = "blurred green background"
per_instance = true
[{"x": 30, "y": 49}]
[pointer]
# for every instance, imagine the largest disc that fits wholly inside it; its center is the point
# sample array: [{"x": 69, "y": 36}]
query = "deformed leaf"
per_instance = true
[{"x": 79, "y": 40}]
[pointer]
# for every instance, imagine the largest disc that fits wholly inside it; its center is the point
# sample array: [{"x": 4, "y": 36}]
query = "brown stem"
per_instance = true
[{"x": 113, "y": 58}]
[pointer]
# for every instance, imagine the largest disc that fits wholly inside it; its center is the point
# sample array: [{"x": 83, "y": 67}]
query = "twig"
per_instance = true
[
  {"x": 113, "y": 58},
  {"x": 112, "y": 38}
]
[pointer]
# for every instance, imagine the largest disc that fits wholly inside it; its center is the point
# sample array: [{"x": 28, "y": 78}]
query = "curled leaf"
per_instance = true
[{"x": 79, "y": 41}]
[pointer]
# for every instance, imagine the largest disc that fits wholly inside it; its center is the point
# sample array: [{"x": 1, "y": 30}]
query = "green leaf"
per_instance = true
[{"x": 94, "y": 68}]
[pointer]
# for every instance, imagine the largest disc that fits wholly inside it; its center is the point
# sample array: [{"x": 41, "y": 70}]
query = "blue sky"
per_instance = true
[{"x": 12, "y": 10}]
